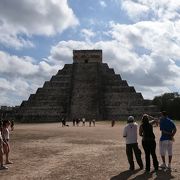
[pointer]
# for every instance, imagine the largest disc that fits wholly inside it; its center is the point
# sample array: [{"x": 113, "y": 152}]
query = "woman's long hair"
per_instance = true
[
  {"x": 145, "y": 119},
  {"x": 147, "y": 128}
]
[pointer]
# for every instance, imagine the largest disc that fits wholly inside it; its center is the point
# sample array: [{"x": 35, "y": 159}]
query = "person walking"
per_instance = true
[
  {"x": 130, "y": 133},
  {"x": 148, "y": 142},
  {"x": 168, "y": 130}
]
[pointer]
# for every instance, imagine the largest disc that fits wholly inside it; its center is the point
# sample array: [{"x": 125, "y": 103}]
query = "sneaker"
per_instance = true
[
  {"x": 131, "y": 168},
  {"x": 163, "y": 165},
  {"x": 156, "y": 169},
  {"x": 169, "y": 166},
  {"x": 3, "y": 167},
  {"x": 9, "y": 162},
  {"x": 147, "y": 170}
]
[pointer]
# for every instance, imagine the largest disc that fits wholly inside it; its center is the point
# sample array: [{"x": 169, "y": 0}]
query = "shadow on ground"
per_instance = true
[{"x": 160, "y": 175}]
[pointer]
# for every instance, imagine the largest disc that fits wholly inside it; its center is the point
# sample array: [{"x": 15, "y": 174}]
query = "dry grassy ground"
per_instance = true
[{"x": 49, "y": 151}]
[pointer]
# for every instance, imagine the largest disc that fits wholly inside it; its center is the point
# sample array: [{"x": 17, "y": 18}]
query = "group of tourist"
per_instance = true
[
  {"x": 77, "y": 121},
  {"x": 4, "y": 143},
  {"x": 168, "y": 130}
]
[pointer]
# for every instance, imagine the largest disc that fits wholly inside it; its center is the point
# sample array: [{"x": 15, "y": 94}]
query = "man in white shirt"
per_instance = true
[{"x": 130, "y": 133}]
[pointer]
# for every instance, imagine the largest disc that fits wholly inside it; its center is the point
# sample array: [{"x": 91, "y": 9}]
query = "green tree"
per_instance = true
[{"x": 169, "y": 102}]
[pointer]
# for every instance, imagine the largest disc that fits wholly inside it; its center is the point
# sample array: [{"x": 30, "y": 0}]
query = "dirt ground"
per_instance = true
[{"x": 49, "y": 151}]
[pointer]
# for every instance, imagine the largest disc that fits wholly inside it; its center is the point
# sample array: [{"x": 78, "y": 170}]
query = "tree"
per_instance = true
[{"x": 169, "y": 102}]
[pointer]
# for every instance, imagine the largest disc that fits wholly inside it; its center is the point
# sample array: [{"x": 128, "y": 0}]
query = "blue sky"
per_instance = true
[{"x": 140, "y": 39}]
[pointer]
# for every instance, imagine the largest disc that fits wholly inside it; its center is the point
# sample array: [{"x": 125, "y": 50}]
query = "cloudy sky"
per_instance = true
[{"x": 140, "y": 39}]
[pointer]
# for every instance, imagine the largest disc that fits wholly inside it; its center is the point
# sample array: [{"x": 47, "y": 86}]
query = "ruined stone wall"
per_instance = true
[{"x": 87, "y": 56}]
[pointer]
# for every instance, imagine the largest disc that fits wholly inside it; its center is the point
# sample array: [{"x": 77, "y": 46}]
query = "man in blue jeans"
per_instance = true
[
  {"x": 130, "y": 133},
  {"x": 168, "y": 130}
]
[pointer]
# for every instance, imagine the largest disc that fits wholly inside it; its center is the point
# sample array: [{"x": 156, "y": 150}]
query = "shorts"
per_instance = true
[{"x": 165, "y": 146}]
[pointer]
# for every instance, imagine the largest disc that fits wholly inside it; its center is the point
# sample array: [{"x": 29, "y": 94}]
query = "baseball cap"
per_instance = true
[{"x": 131, "y": 119}]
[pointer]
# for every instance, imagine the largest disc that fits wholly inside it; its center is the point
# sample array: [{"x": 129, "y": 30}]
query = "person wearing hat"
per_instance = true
[{"x": 130, "y": 133}]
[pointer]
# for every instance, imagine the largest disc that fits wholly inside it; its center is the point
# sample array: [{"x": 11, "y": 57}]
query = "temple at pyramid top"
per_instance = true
[
  {"x": 87, "y": 56},
  {"x": 86, "y": 88}
]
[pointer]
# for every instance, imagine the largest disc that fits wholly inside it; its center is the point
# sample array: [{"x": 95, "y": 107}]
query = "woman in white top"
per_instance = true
[{"x": 5, "y": 135}]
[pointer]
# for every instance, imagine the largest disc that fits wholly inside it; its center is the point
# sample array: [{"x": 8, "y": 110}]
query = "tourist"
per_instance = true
[
  {"x": 1, "y": 151},
  {"x": 94, "y": 122},
  {"x": 168, "y": 130},
  {"x": 77, "y": 121},
  {"x": 5, "y": 136},
  {"x": 148, "y": 142},
  {"x": 64, "y": 122},
  {"x": 83, "y": 121},
  {"x": 12, "y": 125},
  {"x": 90, "y": 121},
  {"x": 112, "y": 123},
  {"x": 74, "y": 121},
  {"x": 130, "y": 133}
]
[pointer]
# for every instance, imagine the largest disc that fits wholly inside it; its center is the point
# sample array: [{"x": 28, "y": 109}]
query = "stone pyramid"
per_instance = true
[{"x": 87, "y": 88}]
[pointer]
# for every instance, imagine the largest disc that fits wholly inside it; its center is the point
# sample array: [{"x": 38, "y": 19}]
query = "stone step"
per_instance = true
[
  {"x": 123, "y": 102},
  {"x": 44, "y": 108},
  {"x": 59, "y": 90},
  {"x": 59, "y": 84},
  {"x": 110, "y": 77},
  {"x": 46, "y": 103},
  {"x": 114, "y": 83},
  {"x": 122, "y": 95},
  {"x": 61, "y": 77},
  {"x": 42, "y": 112},
  {"x": 145, "y": 108},
  {"x": 66, "y": 69},
  {"x": 52, "y": 84},
  {"x": 109, "y": 71},
  {"x": 47, "y": 97},
  {"x": 138, "y": 109},
  {"x": 116, "y": 89}
]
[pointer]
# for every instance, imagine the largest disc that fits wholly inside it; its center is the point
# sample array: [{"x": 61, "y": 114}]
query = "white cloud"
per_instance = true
[
  {"x": 135, "y": 10},
  {"x": 21, "y": 76},
  {"x": 152, "y": 10},
  {"x": 28, "y": 18},
  {"x": 9, "y": 38},
  {"x": 62, "y": 52},
  {"x": 5, "y": 85},
  {"x": 87, "y": 34},
  {"x": 157, "y": 37},
  {"x": 103, "y": 4}
]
